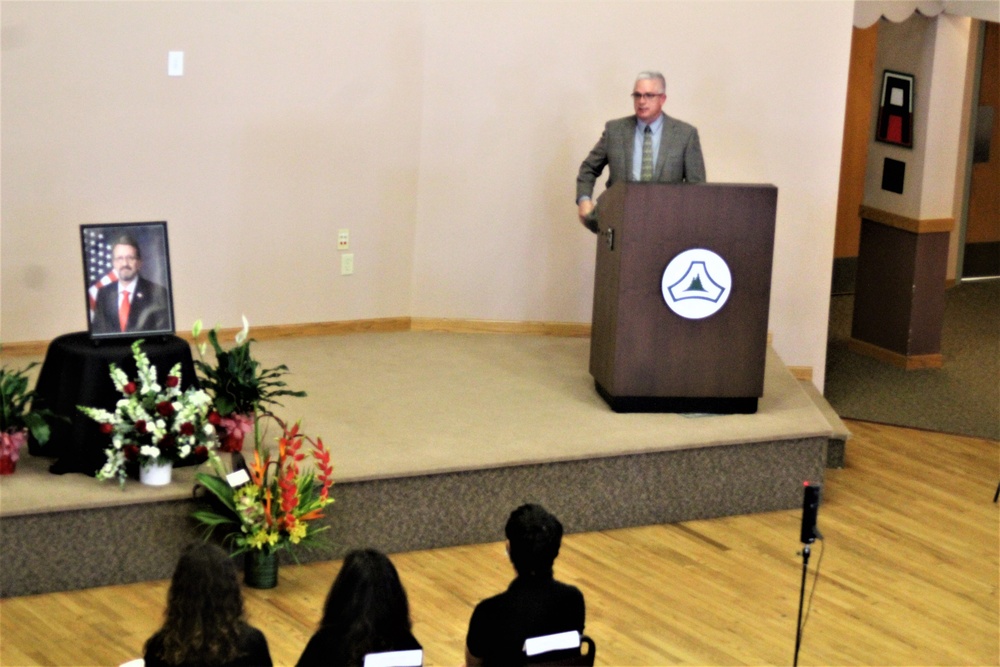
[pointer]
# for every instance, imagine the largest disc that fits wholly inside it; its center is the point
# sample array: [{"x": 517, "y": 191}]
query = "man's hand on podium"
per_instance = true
[{"x": 588, "y": 218}]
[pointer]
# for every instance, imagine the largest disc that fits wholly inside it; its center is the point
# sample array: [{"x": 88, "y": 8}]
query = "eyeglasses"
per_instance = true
[{"x": 645, "y": 96}]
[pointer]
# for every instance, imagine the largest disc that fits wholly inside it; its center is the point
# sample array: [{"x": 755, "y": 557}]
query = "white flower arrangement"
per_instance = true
[{"x": 154, "y": 423}]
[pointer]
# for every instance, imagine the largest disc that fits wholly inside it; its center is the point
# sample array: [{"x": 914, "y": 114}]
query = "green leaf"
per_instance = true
[
  {"x": 38, "y": 426},
  {"x": 210, "y": 518},
  {"x": 219, "y": 488},
  {"x": 15, "y": 398}
]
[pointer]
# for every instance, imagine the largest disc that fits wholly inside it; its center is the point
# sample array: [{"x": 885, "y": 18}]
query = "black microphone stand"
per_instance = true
[{"x": 802, "y": 595}]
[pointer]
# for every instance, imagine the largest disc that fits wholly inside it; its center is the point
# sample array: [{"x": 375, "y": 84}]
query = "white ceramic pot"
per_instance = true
[{"x": 155, "y": 474}]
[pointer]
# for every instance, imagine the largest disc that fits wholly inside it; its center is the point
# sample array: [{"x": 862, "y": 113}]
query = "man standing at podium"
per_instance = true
[{"x": 648, "y": 146}]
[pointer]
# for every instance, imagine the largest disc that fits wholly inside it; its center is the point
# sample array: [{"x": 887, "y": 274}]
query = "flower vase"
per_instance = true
[
  {"x": 261, "y": 568},
  {"x": 10, "y": 449},
  {"x": 154, "y": 473}
]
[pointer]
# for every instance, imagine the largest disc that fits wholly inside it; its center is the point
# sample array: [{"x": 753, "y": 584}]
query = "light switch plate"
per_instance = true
[{"x": 175, "y": 63}]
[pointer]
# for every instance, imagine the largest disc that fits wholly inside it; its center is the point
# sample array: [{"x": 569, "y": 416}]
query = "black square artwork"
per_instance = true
[{"x": 892, "y": 175}]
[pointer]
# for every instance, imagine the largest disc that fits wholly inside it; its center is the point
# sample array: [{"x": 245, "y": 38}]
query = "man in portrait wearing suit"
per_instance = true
[
  {"x": 648, "y": 146},
  {"x": 131, "y": 303}
]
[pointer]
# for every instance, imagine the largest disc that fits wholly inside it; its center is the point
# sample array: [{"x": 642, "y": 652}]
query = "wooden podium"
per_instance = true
[{"x": 643, "y": 355}]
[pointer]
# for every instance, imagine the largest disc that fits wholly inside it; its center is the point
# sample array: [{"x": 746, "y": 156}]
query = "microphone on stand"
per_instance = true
[{"x": 810, "y": 508}]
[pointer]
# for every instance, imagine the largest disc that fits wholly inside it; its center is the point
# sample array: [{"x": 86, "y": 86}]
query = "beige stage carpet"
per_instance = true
[{"x": 411, "y": 403}]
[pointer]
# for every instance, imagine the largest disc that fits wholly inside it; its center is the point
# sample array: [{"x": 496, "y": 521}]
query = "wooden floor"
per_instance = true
[{"x": 908, "y": 575}]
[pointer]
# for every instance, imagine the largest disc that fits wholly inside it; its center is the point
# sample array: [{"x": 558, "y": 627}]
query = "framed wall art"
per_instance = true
[{"x": 895, "y": 111}]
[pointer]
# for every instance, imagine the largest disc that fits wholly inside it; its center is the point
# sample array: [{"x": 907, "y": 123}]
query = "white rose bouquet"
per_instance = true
[{"x": 154, "y": 423}]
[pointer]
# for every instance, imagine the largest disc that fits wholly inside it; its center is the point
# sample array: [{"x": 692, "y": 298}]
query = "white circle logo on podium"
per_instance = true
[{"x": 696, "y": 283}]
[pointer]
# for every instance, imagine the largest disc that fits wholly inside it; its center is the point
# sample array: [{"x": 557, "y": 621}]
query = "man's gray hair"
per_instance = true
[{"x": 650, "y": 74}]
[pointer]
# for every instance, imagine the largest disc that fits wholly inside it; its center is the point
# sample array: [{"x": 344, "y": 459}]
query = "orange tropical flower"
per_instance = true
[{"x": 277, "y": 506}]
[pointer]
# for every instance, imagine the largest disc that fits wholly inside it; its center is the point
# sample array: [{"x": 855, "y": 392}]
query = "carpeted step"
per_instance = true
[{"x": 836, "y": 449}]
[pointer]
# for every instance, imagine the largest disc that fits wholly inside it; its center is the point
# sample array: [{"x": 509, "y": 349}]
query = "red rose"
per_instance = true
[
  {"x": 168, "y": 442},
  {"x": 107, "y": 429},
  {"x": 201, "y": 453},
  {"x": 130, "y": 388},
  {"x": 173, "y": 380},
  {"x": 214, "y": 418},
  {"x": 187, "y": 428},
  {"x": 140, "y": 425},
  {"x": 165, "y": 408},
  {"x": 131, "y": 452}
]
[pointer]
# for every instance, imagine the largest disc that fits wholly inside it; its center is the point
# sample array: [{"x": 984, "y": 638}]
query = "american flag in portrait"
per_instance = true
[{"x": 100, "y": 269}]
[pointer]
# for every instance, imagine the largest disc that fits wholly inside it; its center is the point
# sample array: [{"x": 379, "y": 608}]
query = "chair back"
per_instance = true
[
  {"x": 410, "y": 658},
  {"x": 562, "y": 648}
]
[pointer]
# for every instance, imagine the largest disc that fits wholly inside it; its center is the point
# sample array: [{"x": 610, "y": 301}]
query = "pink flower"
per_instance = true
[
  {"x": 11, "y": 443},
  {"x": 233, "y": 429}
]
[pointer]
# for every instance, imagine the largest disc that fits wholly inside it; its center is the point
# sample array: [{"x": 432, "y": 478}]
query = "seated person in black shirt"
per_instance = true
[
  {"x": 366, "y": 611},
  {"x": 534, "y": 604},
  {"x": 204, "y": 622}
]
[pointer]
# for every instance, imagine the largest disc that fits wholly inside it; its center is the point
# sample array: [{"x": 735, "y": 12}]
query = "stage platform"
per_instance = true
[{"x": 435, "y": 438}]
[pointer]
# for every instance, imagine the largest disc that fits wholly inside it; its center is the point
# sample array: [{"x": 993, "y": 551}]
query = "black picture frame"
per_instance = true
[
  {"x": 895, "y": 111},
  {"x": 151, "y": 309}
]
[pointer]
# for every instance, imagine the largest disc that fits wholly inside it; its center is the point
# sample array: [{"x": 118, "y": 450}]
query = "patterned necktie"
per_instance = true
[
  {"x": 123, "y": 310},
  {"x": 647, "y": 155}
]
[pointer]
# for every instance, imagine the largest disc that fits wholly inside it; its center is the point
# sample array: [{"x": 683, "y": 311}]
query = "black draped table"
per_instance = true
[{"x": 76, "y": 371}]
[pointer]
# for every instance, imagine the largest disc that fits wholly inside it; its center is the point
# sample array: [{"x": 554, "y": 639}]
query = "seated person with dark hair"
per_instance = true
[
  {"x": 205, "y": 623},
  {"x": 534, "y": 604},
  {"x": 366, "y": 612}
]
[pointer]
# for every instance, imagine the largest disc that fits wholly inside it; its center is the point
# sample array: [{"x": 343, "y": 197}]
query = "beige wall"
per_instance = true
[{"x": 445, "y": 135}]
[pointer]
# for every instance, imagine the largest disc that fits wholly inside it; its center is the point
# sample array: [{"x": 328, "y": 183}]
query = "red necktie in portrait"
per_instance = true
[{"x": 123, "y": 310}]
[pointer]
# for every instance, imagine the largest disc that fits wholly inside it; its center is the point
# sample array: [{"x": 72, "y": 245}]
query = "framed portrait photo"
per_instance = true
[
  {"x": 895, "y": 111},
  {"x": 126, "y": 272}
]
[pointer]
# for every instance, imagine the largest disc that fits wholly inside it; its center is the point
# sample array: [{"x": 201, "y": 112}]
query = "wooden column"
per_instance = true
[{"x": 899, "y": 298}]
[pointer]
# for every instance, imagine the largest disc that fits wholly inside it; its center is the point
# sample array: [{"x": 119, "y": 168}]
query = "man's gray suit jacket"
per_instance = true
[{"x": 679, "y": 159}]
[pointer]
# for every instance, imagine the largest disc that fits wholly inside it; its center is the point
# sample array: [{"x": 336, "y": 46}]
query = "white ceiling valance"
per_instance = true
[{"x": 867, "y": 12}]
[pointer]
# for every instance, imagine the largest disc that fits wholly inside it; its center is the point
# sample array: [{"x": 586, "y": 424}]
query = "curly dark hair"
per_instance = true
[
  {"x": 204, "y": 618},
  {"x": 366, "y": 610},
  {"x": 535, "y": 536}
]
